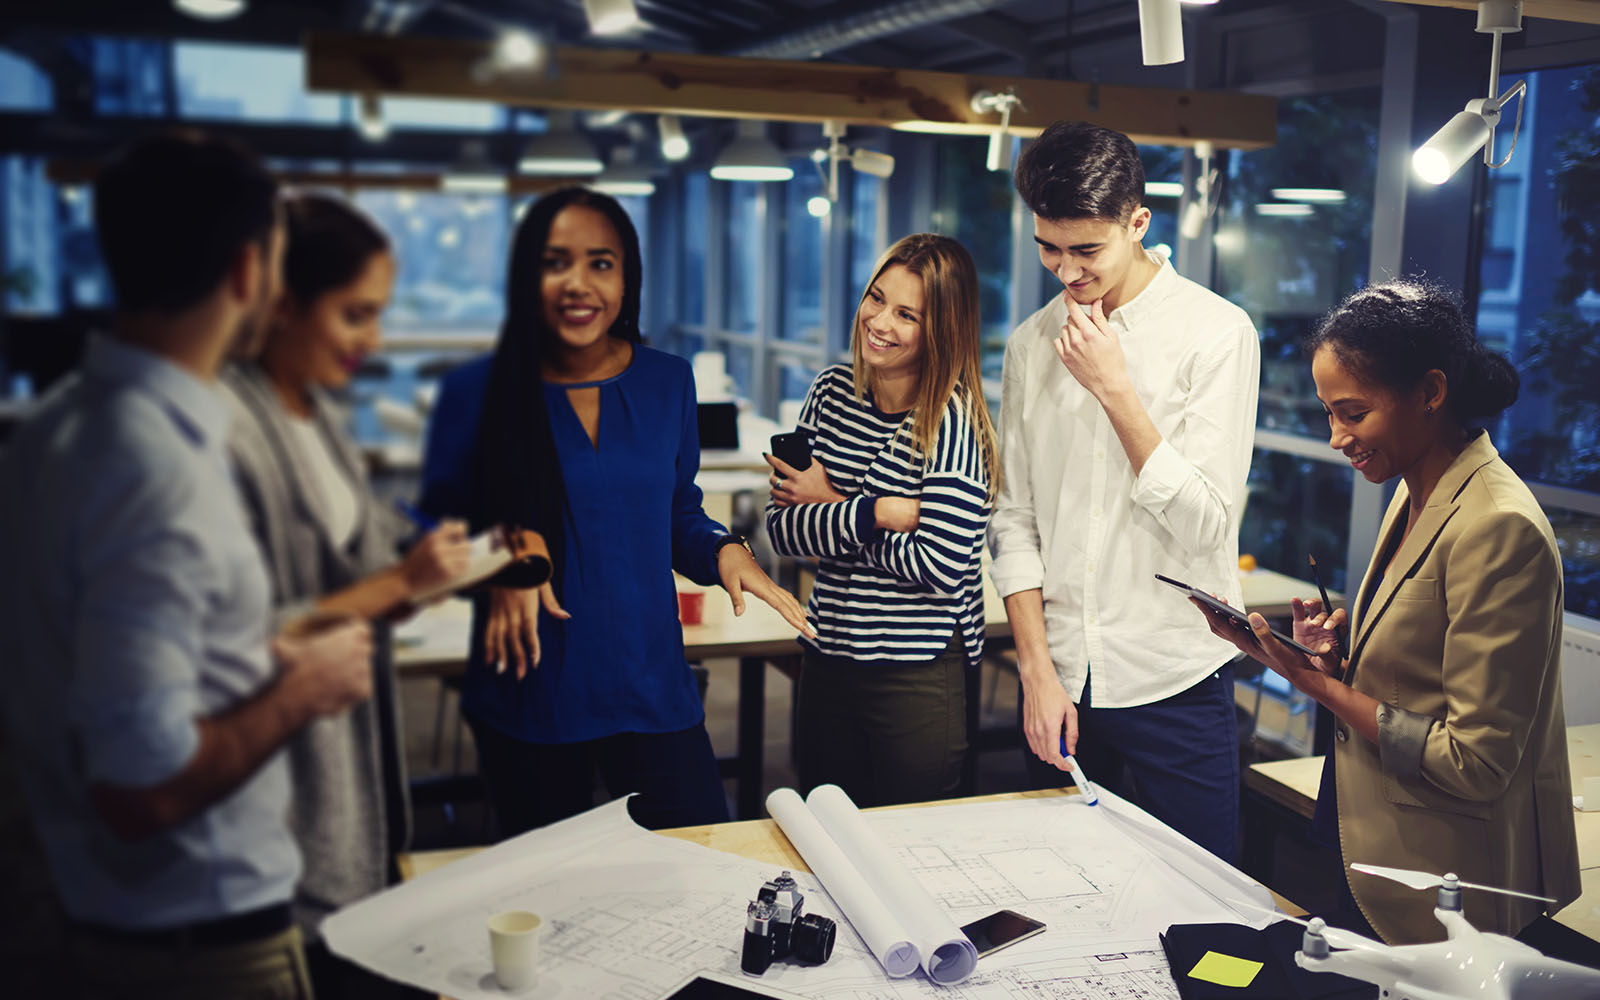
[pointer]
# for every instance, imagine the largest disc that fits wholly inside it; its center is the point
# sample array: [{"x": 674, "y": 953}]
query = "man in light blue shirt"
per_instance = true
[{"x": 142, "y": 699}]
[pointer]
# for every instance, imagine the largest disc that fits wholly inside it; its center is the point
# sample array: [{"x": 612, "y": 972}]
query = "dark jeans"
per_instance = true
[
  {"x": 886, "y": 734},
  {"x": 1182, "y": 752},
  {"x": 534, "y": 784}
]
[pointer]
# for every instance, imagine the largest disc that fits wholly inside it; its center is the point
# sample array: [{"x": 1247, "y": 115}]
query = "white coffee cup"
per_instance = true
[{"x": 514, "y": 948}]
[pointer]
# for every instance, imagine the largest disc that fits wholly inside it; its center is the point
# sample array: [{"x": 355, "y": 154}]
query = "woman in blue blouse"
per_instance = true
[{"x": 574, "y": 428}]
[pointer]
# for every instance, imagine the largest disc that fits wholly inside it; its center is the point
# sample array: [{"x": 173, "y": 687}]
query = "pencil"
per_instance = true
[{"x": 1327, "y": 605}]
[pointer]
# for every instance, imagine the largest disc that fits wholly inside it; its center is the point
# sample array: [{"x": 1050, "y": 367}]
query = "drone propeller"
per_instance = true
[
  {"x": 1423, "y": 880},
  {"x": 1336, "y": 936}
]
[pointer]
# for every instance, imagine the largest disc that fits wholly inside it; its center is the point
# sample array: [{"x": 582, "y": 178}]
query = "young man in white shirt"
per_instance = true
[{"x": 1126, "y": 426}]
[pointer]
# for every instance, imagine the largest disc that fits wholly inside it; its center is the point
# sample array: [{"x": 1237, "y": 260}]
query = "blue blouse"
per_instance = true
[{"x": 633, "y": 516}]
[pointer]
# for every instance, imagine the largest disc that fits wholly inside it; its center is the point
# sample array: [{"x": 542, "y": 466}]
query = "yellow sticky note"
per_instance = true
[{"x": 1225, "y": 970}]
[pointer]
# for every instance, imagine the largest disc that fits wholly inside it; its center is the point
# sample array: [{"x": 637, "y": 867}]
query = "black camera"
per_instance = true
[{"x": 775, "y": 929}]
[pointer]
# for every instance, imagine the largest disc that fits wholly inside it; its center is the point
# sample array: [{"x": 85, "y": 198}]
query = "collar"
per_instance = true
[
  {"x": 1138, "y": 308},
  {"x": 194, "y": 404},
  {"x": 1480, "y": 451}
]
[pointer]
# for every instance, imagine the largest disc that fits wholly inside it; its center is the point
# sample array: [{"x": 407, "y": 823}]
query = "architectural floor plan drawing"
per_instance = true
[{"x": 629, "y": 913}]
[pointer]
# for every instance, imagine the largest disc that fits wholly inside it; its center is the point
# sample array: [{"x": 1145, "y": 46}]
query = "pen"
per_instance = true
[
  {"x": 423, "y": 522},
  {"x": 1085, "y": 786},
  {"x": 1327, "y": 605}
]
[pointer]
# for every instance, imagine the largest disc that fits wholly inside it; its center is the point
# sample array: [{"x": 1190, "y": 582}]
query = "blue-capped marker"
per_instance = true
[
  {"x": 423, "y": 522},
  {"x": 1085, "y": 786}
]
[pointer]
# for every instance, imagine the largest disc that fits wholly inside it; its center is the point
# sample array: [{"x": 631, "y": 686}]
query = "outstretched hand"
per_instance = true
[{"x": 740, "y": 575}]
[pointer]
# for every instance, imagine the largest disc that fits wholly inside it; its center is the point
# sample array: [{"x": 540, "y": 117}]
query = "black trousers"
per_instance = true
[
  {"x": 886, "y": 734},
  {"x": 535, "y": 784}
]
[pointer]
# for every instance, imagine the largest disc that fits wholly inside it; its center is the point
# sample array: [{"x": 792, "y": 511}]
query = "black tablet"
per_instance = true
[{"x": 1234, "y": 614}]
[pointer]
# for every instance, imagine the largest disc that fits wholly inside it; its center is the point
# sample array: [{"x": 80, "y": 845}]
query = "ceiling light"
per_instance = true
[
  {"x": 1163, "y": 189},
  {"x": 986, "y": 102},
  {"x": 1311, "y": 196},
  {"x": 870, "y": 161},
  {"x": 211, "y": 10},
  {"x": 1161, "y": 31},
  {"x": 1285, "y": 210},
  {"x": 1462, "y": 136},
  {"x": 560, "y": 151},
  {"x": 611, "y": 17},
  {"x": 674, "y": 144},
  {"x": 474, "y": 173},
  {"x": 1198, "y": 3},
  {"x": 625, "y": 177},
  {"x": 517, "y": 49},
  {"x": 751, "y": 156},
  {"x": 369, "y": 119},
  {"x": 819, "y": 206}
]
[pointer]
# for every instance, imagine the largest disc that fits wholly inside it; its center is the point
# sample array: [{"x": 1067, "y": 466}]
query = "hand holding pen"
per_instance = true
[{"x": 438, "y": 556}]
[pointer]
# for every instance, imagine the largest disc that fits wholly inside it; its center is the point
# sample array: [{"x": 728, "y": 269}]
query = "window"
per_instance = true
[
  {"x": 802, "y": 256},
  {"x": 129, "y": 76},
  {"x": 742, "y": 266},
  {"x": 1540, "y": 303},
  {"x": 32, "y": 264},
  {"x": 973, "y": 204},
  {"x": 23, "y": 86},
  {"x": 1298, "y": 507},
  {"x": 1163, "y": 165},
  {"x": 692, "y": 249},
  {"x": 1293, "y": 237},
  {"x": 451, "y": 253},
  {"x": 867, "y": 210},
  {"x": 248, "y": 82}
]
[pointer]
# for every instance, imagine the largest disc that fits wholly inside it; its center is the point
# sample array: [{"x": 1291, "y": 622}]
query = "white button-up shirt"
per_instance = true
[{"x": 1072, "y": 518}]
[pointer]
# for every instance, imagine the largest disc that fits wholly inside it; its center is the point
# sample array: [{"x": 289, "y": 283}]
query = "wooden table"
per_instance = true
[{"x": 1292, "y": 785}]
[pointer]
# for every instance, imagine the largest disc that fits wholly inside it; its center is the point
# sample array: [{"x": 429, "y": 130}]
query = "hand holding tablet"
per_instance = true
[{"x": 1235, "y": 617}]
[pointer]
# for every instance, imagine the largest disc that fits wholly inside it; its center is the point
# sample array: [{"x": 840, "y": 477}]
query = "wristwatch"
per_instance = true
[{"x": 732, "y": 538}]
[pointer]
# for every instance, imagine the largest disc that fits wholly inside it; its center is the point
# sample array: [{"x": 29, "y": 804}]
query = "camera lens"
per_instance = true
[{"x": 812, "y": 938}]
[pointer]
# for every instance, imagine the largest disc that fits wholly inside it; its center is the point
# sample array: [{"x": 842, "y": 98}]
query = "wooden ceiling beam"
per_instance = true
[
  {"x": 1579, "y": 11},
  {"x": 773, "y": 90}
]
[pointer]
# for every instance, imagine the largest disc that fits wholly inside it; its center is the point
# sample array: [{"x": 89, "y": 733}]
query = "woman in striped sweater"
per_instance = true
[{"x": 893, "y": 507}]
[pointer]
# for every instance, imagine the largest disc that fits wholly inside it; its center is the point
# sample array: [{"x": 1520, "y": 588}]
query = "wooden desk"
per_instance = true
[{"x": 1293, "y": 785}]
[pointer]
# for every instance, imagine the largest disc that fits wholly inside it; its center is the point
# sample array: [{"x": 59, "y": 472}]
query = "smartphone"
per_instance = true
[
  {"x": 793, "y": 448},
  {"x": 1233, "y": 614},
  {"x": 709, "y": 985},
  {"x": 1000, "y": 928}
]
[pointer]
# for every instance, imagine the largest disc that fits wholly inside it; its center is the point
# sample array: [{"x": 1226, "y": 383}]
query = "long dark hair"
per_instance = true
[
  {"x": 1393, "y": 333},
  {"x": 517, "y": 466}
]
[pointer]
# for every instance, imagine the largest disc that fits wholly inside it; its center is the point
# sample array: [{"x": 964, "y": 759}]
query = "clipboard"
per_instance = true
[
  {"x": 1232, "y": 613},
  {"x": 503, "y": 556}
]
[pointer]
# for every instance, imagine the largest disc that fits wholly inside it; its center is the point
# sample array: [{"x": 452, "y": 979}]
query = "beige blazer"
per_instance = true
[{"x": 1460, "y": 640}]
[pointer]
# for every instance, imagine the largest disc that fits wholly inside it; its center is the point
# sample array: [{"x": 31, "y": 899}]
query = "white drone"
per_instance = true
[{"x": 1468, "y": 965}]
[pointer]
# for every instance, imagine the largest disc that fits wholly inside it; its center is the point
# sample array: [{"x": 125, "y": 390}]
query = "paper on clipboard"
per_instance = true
[{"x": 493, "y": 552}]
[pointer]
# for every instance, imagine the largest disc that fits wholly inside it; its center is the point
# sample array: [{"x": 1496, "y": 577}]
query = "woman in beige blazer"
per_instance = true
[{"x": 1450, "y": 750}]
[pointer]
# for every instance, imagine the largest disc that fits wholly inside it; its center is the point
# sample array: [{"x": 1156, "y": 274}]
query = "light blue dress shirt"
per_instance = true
[{"x": 134, "y": 602}]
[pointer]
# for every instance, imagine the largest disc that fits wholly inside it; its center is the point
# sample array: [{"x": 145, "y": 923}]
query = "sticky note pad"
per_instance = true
[{"x": 1225, "y": 970}]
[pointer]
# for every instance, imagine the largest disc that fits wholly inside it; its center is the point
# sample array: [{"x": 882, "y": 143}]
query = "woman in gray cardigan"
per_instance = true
[{"x": 330, "y": 546}]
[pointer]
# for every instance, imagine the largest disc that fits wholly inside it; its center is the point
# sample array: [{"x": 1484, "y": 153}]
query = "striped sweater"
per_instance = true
[{"x": 883, "y": 596}]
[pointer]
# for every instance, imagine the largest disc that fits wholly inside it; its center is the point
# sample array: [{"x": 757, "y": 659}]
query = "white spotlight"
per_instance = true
[
  {"x": 870, "y": 161},
  {"x": 674, "y": 144},
  {"x": 1454, "y": 144},
  {"x": 211, "y": 10},
  {"x": 369, "y": 119},
  {"x": 611, "y": 17},
  {"x": 518, "y": 50},
  {"x": 819, "y": 206},
  {"x": 1161, "y": 31},
  {"x": 1462, "y": 136},
  {"x": 986, "y": 102}
]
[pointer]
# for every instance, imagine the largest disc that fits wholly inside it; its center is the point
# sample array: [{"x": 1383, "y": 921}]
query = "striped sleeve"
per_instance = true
[
  {"x": 819, "y": 530},
  {"x": 941, "y": 552}
]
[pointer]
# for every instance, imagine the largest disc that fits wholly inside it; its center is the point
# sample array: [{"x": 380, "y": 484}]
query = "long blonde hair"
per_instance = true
[{"x": 950, "y": 345}]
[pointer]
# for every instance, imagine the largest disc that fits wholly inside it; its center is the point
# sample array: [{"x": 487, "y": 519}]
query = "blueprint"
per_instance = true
[{"x": 629, "y": 913}]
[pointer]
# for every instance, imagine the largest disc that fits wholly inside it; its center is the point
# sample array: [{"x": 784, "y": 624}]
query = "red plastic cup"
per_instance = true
[{"x": 691, "y": 607}]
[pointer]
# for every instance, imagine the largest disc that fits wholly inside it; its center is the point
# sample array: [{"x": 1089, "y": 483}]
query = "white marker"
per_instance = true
[{"x": 1085, "y": 786}]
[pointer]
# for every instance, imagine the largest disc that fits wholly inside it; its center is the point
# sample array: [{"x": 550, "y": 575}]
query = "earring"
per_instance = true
[{"x": 1428, "y": 408}]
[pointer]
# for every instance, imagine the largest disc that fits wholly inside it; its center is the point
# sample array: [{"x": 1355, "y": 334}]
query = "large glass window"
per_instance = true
[
  {"x": 23, "y": 86},
  {"x": 451, "y": 252},
  {"x": 745, "y": 261},
  {"x": 129, "y": 76},
  {"x": 1293, "y": 237},
  {"x": 250, "y": 82},
  {"x": 973, "y": 204},
  {"x": 1298, "y": 507},
  {"x": 1163, "y": 178},
  {"x": 692, "y": 249},
  {"x": 1540, "y": 303},
  {"x": 802, "y": 255}
]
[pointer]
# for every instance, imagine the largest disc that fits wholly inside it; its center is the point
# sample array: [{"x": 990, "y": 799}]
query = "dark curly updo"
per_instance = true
[{"x": 1391, "y": 334}]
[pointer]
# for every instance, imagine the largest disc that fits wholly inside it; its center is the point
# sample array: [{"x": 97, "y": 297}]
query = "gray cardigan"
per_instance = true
[{"x": 350, "y": 810}]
